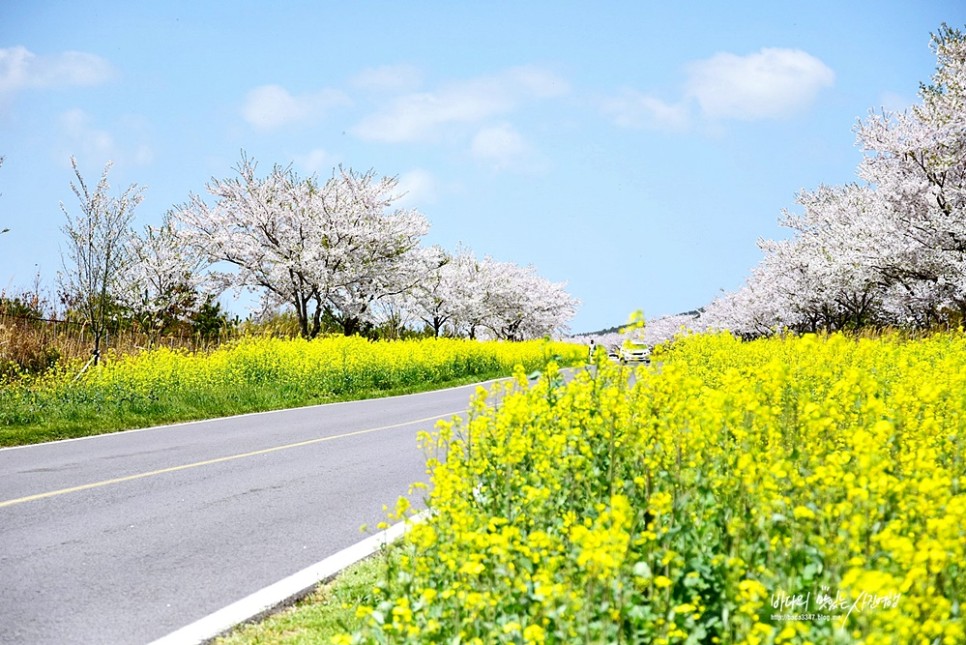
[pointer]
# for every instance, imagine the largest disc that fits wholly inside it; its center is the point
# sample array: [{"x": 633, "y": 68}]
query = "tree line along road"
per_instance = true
[{"x": 124, "y": 538}]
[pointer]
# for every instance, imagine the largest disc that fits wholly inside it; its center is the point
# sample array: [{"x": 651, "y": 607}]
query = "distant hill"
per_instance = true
[
  {"x": 694, "y": 313},
  {"x": 609, "y": 330}
]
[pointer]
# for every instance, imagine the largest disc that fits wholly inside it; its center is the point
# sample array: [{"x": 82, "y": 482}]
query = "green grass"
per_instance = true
[
  {"x": 86, "y": 416},
  {"x": 329, "y": 610},
  {"x": 161, "y": 385}
]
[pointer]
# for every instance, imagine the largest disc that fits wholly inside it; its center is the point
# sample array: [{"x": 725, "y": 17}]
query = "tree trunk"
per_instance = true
[
  {"x": 317, "y": 318},
  {"x": 97, "y": 346},
  {"x": 350, "y": 325}
]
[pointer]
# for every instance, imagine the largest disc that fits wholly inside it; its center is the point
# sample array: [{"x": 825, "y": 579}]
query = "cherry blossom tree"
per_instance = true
[
  {"x": 466, "y": 296},
  {"x": 374, "y": 252},
  {"x": 520, "y": 304},
  {"x": 666, "y": 328},
  {"x": 393, "y": 318},
  {"x": 338, "y": 252},
  {"x": 752, "y": 310},
  {"x": 256, "y": 226},
  {"x": 432, "y": 300},
  {"x": 162, "y": 282},
  {"x": 326, "y": 249},
  {"x": 97, "y": 253},
  {"x": 916, "y": 160},
  {"x": 450, "y": 299},
  {"x": 889, "y": 251},
  {"x": 470, "y": 279},
  {"x": 830, "y": 275}
]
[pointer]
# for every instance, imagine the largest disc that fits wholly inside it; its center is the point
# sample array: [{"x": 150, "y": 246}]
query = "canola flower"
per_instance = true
[
  {"x": 731, "y": 487},
  {"x": 258, "y": 373}
]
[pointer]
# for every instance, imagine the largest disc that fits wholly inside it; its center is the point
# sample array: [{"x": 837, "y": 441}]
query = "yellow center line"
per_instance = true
[{"x": 209, "y": 462}]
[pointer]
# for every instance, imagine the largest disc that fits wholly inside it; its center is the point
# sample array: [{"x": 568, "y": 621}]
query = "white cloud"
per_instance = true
[
  {"x": 22, "y": 69},
  {"x": 532, "y": 81},
  {"x": 87, "y": 140},
  {"x": 633, "y": 109},
  {"x": 772, "y": 83},
  {"x": 893, "y": 102},
  {"x": 422, "y": 116},
  {"x": 271, "y": 106},
  {"x": 143, "y": 155},
  {"x": 500, "y": 145},
  {"x": 317, "y": 161},
  {"x": 417, "y": 117},
  {"x": 416, "y": 187},
  {"x": 91, "y": 144},
  {"x": 389, "y": 78}
]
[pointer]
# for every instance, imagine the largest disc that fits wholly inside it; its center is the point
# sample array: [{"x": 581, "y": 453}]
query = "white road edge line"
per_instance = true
[{"x": 285, "y": 591}]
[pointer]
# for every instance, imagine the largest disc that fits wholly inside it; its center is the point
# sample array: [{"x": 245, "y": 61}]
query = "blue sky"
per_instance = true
[{"x": 635, "y": 150}]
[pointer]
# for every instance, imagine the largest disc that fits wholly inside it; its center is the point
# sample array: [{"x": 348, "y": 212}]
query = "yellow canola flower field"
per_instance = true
[
  {"x": 254, "y": 373},
  {"x": 789, "y": 490},
  {"x": 333, "y": 365}
]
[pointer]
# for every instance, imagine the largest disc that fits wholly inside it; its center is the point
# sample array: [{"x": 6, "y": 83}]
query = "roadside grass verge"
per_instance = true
[
  {"x": 92, "y": 416},
  {"x": 328, "y": 611},
  {"x": 162, "y": 386}
]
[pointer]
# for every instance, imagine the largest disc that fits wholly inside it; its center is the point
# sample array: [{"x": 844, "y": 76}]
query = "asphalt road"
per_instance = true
[{"x": 124, "y": 538}]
